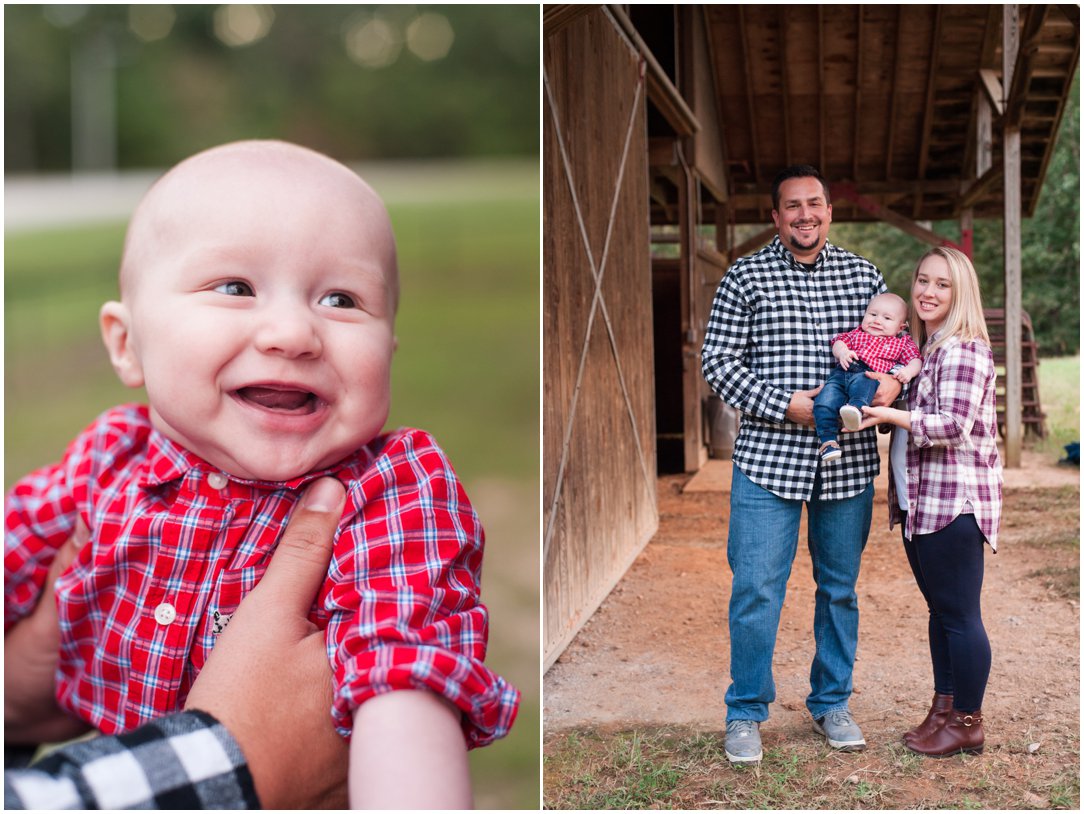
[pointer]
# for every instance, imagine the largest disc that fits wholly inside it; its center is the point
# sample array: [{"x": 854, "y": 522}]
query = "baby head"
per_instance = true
[
  {"x": 885, "y": 315},
  {"x": 258, "y": 293}
]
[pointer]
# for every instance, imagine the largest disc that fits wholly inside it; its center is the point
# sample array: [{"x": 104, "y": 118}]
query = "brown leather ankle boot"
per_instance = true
[
  {"x": 939, "y": 711},
  {"x": 961, "y": 732}
]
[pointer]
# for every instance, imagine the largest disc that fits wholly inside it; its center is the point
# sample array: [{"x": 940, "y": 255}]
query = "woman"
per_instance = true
[{"x": 945, "y": 490}]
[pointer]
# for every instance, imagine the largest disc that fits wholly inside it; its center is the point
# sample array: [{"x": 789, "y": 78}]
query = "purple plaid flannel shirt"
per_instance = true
[{"x": 952, "y": 459}]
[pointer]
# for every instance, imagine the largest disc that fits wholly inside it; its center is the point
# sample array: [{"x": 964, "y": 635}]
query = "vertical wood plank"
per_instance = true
[{"x": 1013, "y": 349}]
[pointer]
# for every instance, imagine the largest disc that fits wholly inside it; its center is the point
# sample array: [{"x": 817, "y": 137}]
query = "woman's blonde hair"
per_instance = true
[{"x": 965, "y": 317}]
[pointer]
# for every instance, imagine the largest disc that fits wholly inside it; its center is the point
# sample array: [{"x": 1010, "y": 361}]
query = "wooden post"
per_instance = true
[
  {"x": 692, "y": 430},
  {"x": 967, "y": 232},
  {"x": 1011, "y": 148}
]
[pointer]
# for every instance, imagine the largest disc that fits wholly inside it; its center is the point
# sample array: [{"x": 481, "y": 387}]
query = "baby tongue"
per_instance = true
[{"x": 274, "y": 399}]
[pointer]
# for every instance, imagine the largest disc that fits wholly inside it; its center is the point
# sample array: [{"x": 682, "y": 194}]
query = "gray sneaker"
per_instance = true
[
  {"x": 841, "y": 731},
  {"x": 743, "y": 742}
]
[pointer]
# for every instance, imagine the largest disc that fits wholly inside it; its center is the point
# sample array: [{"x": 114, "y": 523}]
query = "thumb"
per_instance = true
[
  {"x": 813, "y": 393},
  {"x": 300, "y": 562}
]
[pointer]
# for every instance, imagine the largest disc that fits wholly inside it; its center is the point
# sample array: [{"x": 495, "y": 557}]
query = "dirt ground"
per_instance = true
[{"x": 656, "y": 653}]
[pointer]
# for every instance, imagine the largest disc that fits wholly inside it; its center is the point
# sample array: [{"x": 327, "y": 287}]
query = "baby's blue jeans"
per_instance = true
[{"x": 850, "y": 386}]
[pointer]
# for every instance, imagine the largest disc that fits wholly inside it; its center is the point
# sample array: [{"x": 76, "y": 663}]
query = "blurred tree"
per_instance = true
[{"x": 359, "y": 82}]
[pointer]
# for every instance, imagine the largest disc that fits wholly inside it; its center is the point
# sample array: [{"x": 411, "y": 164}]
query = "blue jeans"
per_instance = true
[
  {"x": 850, "y": 386},
  {"x": 761, "y": 545}
]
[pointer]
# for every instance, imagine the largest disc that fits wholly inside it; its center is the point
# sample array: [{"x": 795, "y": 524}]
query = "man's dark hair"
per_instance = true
[{"x": 797, "y": 171}]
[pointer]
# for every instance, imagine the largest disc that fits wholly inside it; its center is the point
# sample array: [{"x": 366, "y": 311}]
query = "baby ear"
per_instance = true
[{"x": 115, "y": 322}]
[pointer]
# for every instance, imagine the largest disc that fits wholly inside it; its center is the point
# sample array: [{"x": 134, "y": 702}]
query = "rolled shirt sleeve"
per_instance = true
[
  {"x": 951, "y": 399},
  {"x": 404, "y": 594}
]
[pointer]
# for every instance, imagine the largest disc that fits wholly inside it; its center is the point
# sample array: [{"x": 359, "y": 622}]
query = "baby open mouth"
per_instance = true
[{"x": 271, "y": 398}]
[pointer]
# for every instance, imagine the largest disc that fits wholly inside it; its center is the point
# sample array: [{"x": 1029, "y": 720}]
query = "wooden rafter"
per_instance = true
[
  {"x": 860, "y": 49},
  {"x": 823, "y": 157},
  {"x": 927, "y": 118},
  {"x": 788, "y": 152},
  {"x": 893, "y": 98},
  {"x": 1016, "y": 94},
  {"x": 749, "y": 96}
]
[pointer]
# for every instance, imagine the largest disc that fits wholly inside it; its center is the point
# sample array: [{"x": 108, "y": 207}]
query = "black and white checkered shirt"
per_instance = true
[
  {"x": 185, "y": 761},
  {"x": 768, "y": 336}
]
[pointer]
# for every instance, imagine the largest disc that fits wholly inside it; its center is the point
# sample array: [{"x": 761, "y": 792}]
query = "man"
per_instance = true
[
  {"x": 250, "y": 737},
  {"x": 766, "y": 352}
]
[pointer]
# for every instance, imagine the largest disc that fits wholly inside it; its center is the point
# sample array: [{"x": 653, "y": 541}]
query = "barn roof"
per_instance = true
[{"x": 883, "y": 97}]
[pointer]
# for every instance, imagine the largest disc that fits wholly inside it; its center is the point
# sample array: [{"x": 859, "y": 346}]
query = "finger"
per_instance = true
[
  {"x": 300, "y": 563},
  {"x": 64, "y": 556},
  {"x": 813, "y": 393}
]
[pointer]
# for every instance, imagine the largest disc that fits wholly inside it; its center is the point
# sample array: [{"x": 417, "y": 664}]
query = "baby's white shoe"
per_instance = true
[{"x": 851, "y": 416}]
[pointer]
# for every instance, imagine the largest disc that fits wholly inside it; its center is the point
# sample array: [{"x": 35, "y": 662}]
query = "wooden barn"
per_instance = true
[{"x": 663, "y": 128}]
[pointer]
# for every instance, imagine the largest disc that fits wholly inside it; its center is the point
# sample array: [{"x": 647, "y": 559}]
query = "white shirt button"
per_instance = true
[
  {"x": 217, "y": 480},
  {"x": 165, "y": 613}
]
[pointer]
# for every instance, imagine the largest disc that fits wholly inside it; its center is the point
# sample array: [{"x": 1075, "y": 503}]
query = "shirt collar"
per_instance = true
[
  {"x": 787, "y": 257},
  {"x": 166, "y": 461}
]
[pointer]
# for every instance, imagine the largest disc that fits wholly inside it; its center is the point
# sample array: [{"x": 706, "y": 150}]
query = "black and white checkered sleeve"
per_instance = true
[
  {"x": 724, "y": 356},
  {"x": 185, "y": 761}
]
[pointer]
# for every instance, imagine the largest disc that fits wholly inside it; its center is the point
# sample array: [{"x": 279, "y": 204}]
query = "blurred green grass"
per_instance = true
[
  {"x": 467, "y": 370},
  {"x": 1059, "y": 393}
]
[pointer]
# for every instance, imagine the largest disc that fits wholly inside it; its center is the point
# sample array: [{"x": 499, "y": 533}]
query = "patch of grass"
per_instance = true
[
  {"x": 1064, "y": 791},
  {"x": 1049, "y": 518},
  {"x": 1059, "y": 392},
  {"x": 676, "y": 769},
  {"x": 1062, "y": 582}
]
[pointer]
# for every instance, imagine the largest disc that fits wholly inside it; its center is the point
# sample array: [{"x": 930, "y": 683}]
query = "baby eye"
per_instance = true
[
  {"x": 338, "y": 300},
  {"x": 235, "y": 288}
]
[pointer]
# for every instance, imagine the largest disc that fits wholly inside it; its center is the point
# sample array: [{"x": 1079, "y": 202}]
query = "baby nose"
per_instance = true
[{"x": 289, "y": 334}]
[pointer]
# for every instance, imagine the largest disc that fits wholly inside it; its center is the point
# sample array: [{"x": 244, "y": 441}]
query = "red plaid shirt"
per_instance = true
[
  {"x": 881, "y": 353},
  {"x": 175, "y": 545}
]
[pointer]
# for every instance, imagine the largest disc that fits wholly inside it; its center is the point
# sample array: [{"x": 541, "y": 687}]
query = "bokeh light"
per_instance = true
[
  {"x": 151, "y": 22},
  {"x": 373, "y": 41},
  {"x": 238, "y": 25},
  {"x": 430, "y": 36}
]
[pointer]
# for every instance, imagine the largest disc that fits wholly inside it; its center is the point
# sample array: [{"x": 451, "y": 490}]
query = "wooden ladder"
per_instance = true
[{"x": 1033, "y": 416}]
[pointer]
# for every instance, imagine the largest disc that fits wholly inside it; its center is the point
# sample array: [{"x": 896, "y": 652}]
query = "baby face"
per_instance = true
[
  {"x": 885, "y": 316},
  {"x": 258, "y": 300}
]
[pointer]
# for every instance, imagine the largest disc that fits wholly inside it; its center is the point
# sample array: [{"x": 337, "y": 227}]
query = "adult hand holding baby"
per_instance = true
[
  {"x": 31, "y": 653},
  {"x": 268, "y": 679}
]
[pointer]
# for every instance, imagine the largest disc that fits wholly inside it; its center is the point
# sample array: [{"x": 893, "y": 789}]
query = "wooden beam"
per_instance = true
[
  {"x": 754, "y": 242},
  {"x": 1027, "y": 46},
  {"x": 747, "y": 195},
  {"x": 984, "y": 135},
  {"x": 847, "y": 191},
  {"x": 556, "y": 16},
  {"x": 750, "y": 107},
  {"x": 860, "y": 50},
  {"x": 967, "y": 232},
  {"x": 891, "y": 141},
  {"x": 1011, "y": 161},
  {"x": 1072, "y": 14},
  {"x": 781, "y": 19},
  {"x": 992, "y": 85},
  {"x": 928, "y": 110},
  {"x": 660, "y": 89},
  {"x": 662, "y": 152},
  {"x": 820, "y": 89},
  {"x": 980, "y": 187},
  {"x": 692, "y": 420}
]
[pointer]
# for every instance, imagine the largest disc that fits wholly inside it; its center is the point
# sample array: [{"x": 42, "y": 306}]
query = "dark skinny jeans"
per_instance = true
[{"x": 948, "y": 567}]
